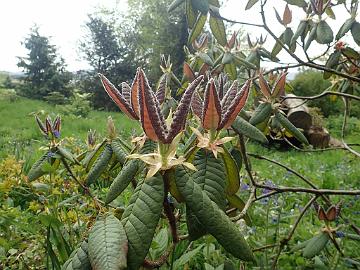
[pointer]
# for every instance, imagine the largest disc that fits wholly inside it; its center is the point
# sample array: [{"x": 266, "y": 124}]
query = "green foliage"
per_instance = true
[
  {"x": 310, "y": 82},
  {"x": 44, "y": 70}
]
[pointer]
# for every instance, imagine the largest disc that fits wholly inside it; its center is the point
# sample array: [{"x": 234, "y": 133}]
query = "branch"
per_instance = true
[
  {"x": 310, "y": 190},
  {"x": 325, "y": 93},
  {"x": 284, "y": 242}
]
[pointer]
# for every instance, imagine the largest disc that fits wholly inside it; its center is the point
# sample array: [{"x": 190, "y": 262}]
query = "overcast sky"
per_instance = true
[{"x": 63, "y": 21}]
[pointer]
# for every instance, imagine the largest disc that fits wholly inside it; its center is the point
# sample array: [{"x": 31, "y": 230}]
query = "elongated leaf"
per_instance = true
[
  {"x": 324, "y": 34},
  {"x": 67, "y": 155},
  {"x": 197, "y": 104},
  {"x": 345, "y": 28},
  {"x": 216, "y": 221},
  {"x": 355, "y": 31},
  {"x": 232, "y": 172},
  {"x": 237, "y": 202},
  {"x": 198, "y": 27},
  {"x": 264, "y": 86},
  {"x": 108, "y": 244},
  {"x": 218, "y": 30},
  {"x": 241, "y": 126},
  {"x": 100, "y": 165},
  {"x": 291, "y": 128},
  {"x": 36, "y": 170},
  {"x": 91, "y": 157},
  {"x": 122, "y": 180},
  {"x": 230, "y": 69},
  {"x": 262, "y": 112},
  {"x": 316, "y": 245},
  {"x": 119, "y": 151},
  {"x": 250, "y": 3},
  {"x": 141, "y": 218}
]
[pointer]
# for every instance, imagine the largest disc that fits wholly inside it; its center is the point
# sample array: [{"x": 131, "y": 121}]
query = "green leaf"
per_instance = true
[
  {"x": 108, "y": 244},
  {"x": 67, "y": 155},
  {"x": 277, "y": 47},
  {"x": 79, "y": 259},
  {"x": 299, "y": 31},
  {"x": 210, "y": 176},
  {"x": 217, "y": 223},
  {"x": 355, "y": 31},
  {"x": 141, "y": 218},
  {"x": 100, "y": 165},
  {"x": 186, "y": 257},
  {"x": 288, "y": 34},
  {"x": 261, "y": 113},
  {"x": 291, "y": 128},
  {"x": 324, "y": 34},
  {"x": 160, "y": 243},
  {"x": 299, "y": 3},
  {"x": 316, "y": 245},
  {"x": 198, "y": 27},
  {"x": 230, "y": 69},
  {"x": 237, "y": 202},
  {"x": 91, "y": 157},
  {"x": 242, "y": 62},
  {"x": 232, "y": 172},
  {"x": 218, "y": 30},
  {"x": 345, "y": 28},
  {"x": 227, "y": 58},
  {"x": 332, "y": 62},
  {"x": 122, "y": 180},
  {"x": 119, "y": 151},
  {"x": 206, "y": 58},
  {"x": 351, "y": 53},
  {"x": 241, "y": 126},
  {"x": 191, "y": 14},
  {"x": 311, "y": 37},
  {"x": 250, "y": 3},
  {"x": 36, "y": 170}
]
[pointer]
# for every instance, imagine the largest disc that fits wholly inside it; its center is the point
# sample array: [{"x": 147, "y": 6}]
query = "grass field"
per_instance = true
[{"x": 19, "y": 131}]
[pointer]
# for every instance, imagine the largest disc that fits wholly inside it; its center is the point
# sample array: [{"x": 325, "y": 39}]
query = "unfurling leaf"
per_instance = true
[
  {"x": 287, "y": 16},
  {"x": 235, "y": 107},
  {"x": 211, "y": 115},
  {"x": 118, "y": 98},
  {"x": 264, "y": 86},
  {"x": 151, "y": 118},
  {"x": 179, "y": 118}
]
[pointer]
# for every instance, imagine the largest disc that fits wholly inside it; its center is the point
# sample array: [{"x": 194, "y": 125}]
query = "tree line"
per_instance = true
[{"x": 113, "y": 44}]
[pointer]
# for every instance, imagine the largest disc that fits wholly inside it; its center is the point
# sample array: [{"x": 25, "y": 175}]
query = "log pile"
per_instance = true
[{"x": 298, "y": 114}]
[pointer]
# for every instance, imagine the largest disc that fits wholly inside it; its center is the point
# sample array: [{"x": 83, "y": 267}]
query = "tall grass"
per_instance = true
[{"x": 19, "y": 132}]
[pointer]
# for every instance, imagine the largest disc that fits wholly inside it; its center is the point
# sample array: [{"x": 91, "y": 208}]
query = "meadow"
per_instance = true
[{"x": 52, "y": 199}]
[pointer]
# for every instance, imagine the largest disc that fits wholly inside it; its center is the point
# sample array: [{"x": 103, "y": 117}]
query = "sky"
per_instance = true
[{"x": 63, "y": 21}]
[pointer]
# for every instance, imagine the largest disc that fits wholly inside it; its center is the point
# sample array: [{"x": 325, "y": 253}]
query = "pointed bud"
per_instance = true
[
  {"x": 182, "y": 110},
  {"x": 236, "y": 106},
  {"x": 117, "y": 97},
  {"x": 160, "y": 92},
  {"x": 211, "y": 114},
  {"x": 152, "y": 121},
  {"x": 264, "y": 86},
  {"x": 188, "y": 72},
  {"x": 197, "y": 104},
  {"x": 135, "y": 95},
  {"x": 56, "y": 126},
  {"x": 111, "y": 128},
  {"x": 229, "y": 96},
  {"x": 41, "y": 125},
  {"x": 279, "y": 87},
  {"x": 91, "y": 138},
  {"x": 48, "y": 125}
]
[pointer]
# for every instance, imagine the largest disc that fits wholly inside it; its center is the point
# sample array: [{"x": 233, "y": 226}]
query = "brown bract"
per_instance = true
[
  {"x": 217, "y": 114},
  {"x": 144, "y": 105}
]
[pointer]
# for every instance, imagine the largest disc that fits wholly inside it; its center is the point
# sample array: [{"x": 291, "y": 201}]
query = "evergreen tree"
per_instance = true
[{"x": 44, "y": 70}]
